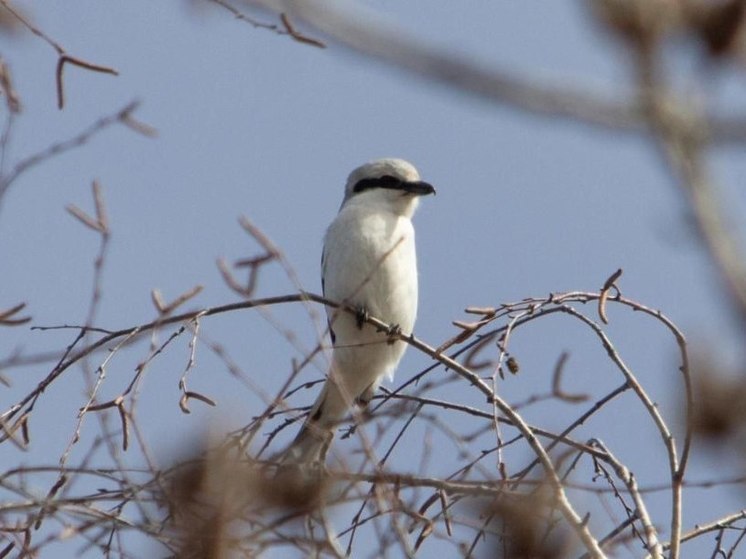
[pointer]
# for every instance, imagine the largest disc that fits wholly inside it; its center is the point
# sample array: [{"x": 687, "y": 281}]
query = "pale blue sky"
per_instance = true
[{"x": 251, "y": 123}]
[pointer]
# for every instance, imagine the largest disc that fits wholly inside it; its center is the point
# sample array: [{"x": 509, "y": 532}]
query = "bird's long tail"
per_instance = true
[{"x": 316, "y": 434}]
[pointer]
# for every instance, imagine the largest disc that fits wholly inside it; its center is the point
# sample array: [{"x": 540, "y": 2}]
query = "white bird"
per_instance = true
[{"x": 368, "y": 262}]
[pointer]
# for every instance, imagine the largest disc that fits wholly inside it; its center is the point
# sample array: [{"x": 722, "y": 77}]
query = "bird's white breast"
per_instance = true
[{"x": 370, "y": 261}]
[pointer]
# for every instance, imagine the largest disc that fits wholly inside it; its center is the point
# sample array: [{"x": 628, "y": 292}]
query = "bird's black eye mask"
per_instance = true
[
  {"x": 386, "y": 181},
  {"x": 393, "y": 183}
]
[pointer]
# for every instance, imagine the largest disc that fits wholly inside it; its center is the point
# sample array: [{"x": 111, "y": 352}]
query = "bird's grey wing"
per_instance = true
[{"x": 323, "y": 292}]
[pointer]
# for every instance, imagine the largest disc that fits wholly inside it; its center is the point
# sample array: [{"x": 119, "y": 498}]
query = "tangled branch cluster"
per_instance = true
[{"x": 508, "y": 485}]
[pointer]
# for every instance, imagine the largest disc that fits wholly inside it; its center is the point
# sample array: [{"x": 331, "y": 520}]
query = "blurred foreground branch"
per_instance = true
[{"x": 371, "y": 34}]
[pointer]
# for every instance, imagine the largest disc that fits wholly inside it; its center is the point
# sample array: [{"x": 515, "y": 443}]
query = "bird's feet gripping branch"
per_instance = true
[
  {"x": 361, "y": 316},
  {"x": 393, "y": 331}
]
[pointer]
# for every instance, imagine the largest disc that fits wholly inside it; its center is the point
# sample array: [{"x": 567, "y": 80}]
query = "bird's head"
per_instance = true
[{"x": 391, "y": 183}]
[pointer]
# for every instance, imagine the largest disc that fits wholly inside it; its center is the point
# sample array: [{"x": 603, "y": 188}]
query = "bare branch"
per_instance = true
[
  {"x": 7, "y": 316},
  {"x": 64, "y": 146},
  {"x": 367, "y": 32}
]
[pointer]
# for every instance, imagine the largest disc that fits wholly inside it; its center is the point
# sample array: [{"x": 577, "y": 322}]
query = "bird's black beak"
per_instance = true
[{"x": 420, "y": 188}]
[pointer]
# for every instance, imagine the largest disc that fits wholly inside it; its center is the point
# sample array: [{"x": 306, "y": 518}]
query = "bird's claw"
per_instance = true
[
  {"x": 393, "y": 332},
  {"x": 361, "y": 316}
]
